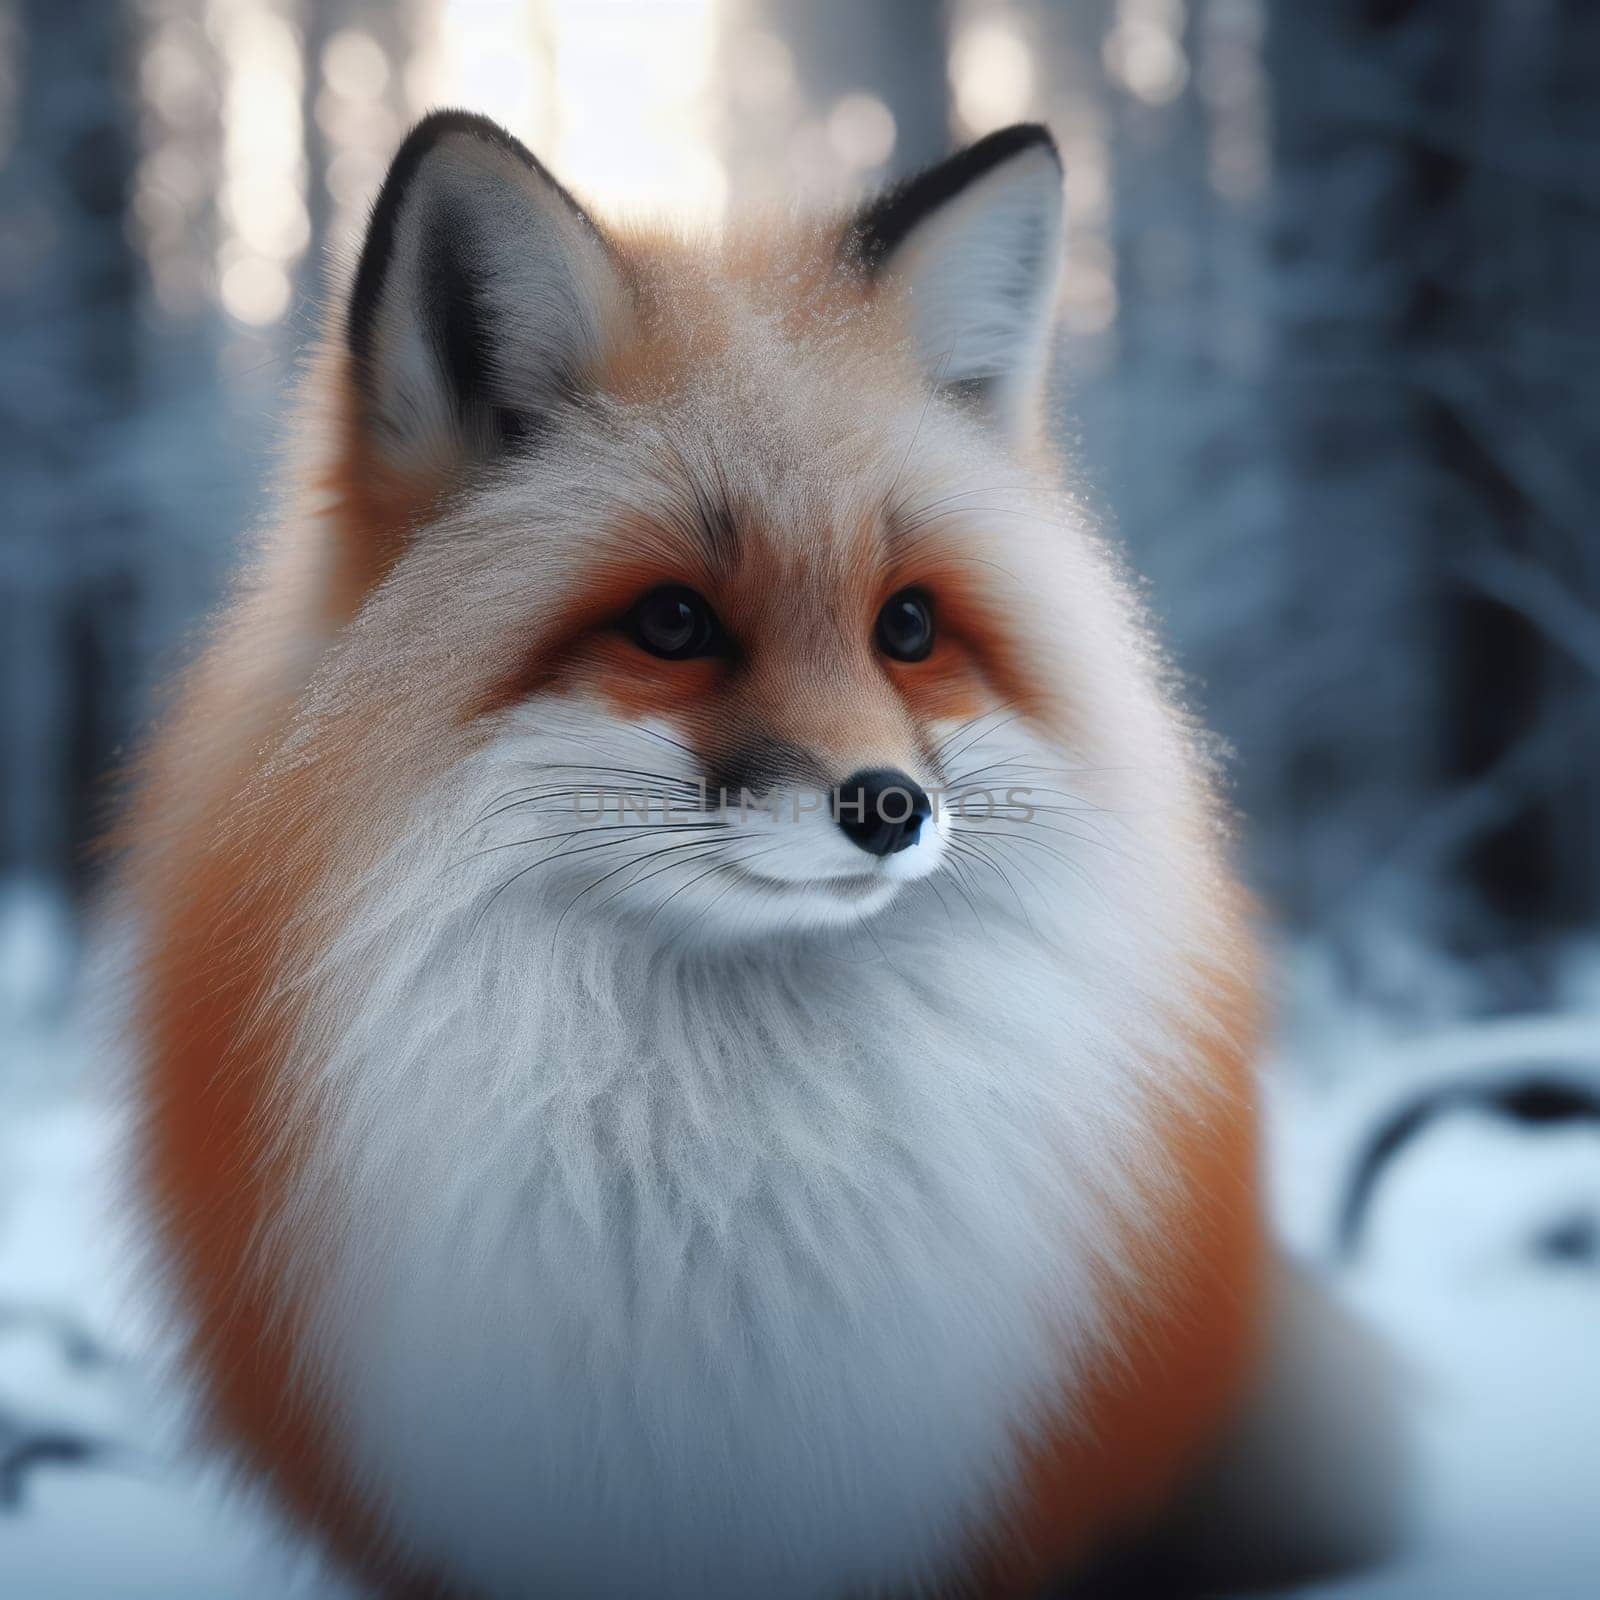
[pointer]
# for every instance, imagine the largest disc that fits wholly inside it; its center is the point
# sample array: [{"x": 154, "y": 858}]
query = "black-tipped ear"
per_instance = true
[
  {"x": 975, "y": 246},
  {"x": 482, "y": 294}
]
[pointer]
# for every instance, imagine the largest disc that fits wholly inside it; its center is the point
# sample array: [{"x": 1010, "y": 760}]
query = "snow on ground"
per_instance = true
[
  {"x": 1501, "y": 1333},
  {"x": 1475, "y": 1271},
  {"x": 130, "y": 1519},
  {"x": 97, "y": 1501}
]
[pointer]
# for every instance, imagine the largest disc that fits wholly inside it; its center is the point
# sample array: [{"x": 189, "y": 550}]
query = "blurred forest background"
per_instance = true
[{"x": 1332, "y": 362}]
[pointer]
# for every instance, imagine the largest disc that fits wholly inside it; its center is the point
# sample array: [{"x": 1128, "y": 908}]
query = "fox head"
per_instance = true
[{"x": 734, "y": 575}]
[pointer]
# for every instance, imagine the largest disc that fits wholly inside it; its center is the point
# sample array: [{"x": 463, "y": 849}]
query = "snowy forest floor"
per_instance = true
[{"x": 1474, "y": 1268}]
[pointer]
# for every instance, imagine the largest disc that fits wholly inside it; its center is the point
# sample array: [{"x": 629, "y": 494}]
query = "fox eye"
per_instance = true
[
  {"x": 905, "y": 626},
  {"x": 675, "y": 623}
]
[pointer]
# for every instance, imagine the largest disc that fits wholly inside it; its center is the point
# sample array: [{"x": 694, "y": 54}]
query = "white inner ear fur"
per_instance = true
[
  {"x": 980, "y": 276},
  {"x": 545, "y": 287}
]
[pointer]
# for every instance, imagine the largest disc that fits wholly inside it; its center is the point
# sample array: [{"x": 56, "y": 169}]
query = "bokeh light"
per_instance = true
[
  {"x": 1144, "y": 50},
  {"x": 861, "y": 130},
  {"x": 991, "y": 74},
  {"x": 265, "y": 226}
]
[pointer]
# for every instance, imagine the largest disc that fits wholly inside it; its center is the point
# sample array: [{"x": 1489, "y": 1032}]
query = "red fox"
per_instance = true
[{"x": 697, "y": 1030}]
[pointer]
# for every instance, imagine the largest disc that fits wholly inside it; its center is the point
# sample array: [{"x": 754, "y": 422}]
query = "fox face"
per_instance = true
[{"x": 740, "y": 565}]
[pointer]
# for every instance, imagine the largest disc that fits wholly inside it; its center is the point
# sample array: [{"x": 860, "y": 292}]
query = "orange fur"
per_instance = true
[
  {"x": 843, "y": 708},
  {"x": 215, "y": 1187},
  {"x": 1182, "y": 1360}
]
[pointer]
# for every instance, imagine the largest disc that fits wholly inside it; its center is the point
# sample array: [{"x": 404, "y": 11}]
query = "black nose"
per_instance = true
[{"x": 881, "y": 810}]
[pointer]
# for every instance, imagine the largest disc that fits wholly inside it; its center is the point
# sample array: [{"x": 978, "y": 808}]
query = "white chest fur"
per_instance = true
[{"x": 700, "y": 1276}]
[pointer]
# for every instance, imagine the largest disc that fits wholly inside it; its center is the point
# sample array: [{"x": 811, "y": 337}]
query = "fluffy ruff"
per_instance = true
[{"x": 710, "y": 1268}]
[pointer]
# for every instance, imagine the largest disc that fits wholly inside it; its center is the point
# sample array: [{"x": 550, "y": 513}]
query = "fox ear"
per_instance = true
[
  {"x": 482, "y": 294},
  {"x": 974, "y": 245}
]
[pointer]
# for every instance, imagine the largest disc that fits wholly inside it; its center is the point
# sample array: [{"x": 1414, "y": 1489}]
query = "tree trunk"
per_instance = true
[{"x": 68, "y": 376}]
